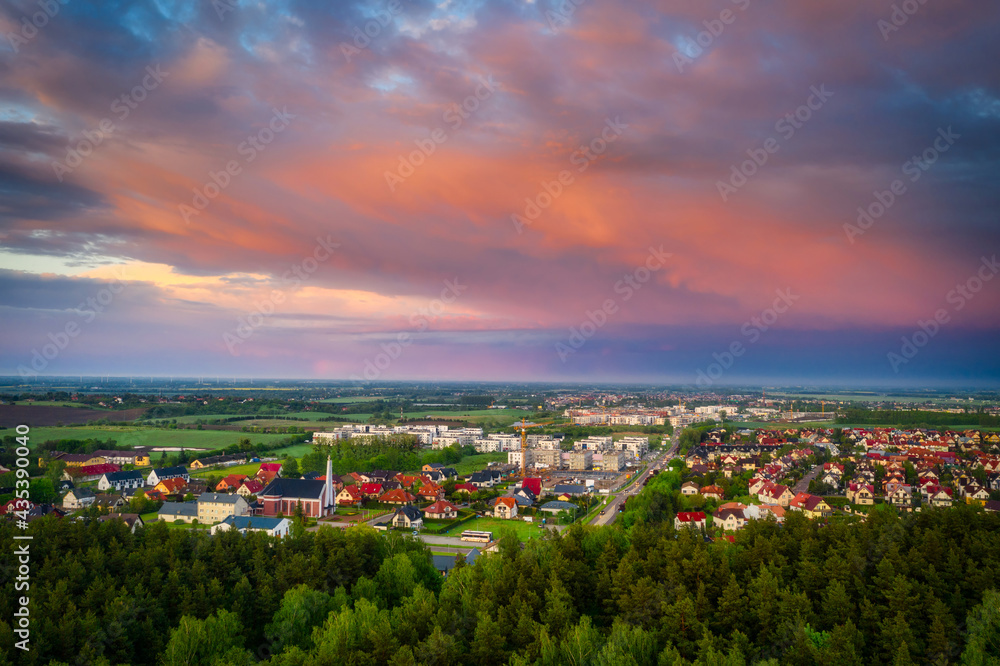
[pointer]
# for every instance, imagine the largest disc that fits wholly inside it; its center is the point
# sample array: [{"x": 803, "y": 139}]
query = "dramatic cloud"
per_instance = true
[{"x": 290, "y": 187}]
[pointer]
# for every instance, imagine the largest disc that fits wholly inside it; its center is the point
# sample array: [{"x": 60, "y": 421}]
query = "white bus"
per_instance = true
[{"x": 473, "y": 535}]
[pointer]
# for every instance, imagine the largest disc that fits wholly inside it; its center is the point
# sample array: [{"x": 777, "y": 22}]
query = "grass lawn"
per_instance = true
[
  {"x": 479, "y": 461},
  {"x": 250, "y": 469},
  {"x": 135, "y": 436},
  {"x": 502, "y": 416},
  {"x": 296, "y": 451},
  {"x": 523, "y": 530},
  {"x": 148, "y": 517}
]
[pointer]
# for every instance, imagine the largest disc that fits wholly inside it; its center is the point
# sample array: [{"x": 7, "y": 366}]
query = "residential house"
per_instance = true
[
  {"x": 774, "y": 493},
  {"x": 78, "y": 498},
  {"x": 729, "y": 519},
  {"x": 441, "y": 510},
  {"x": 900, "y": 497},
  {"x": 408, "y": 517},
  {"x": 695, "y": 519},
  {"x": 482, "y": 479},
  {"x": 196, "y": 486},
  {"x": 250, "y": 488},
  {"x": 230, "y": 483},
  {"x": 350, "y": 496},
  {"x": 178, "y": 512},
  {"x": 533, "y": 484},
  {"x": 431, "y": 492},
  {"x": 131, "y": 519},
  {"x": 108, "y": 502},
  {"x": 813, "y": 506},
  {"x": 466, "y": 488},
  {"x": 371, "y": 490},
  {"x": 505, "y": 507},
  {"x": 214, "y": 507},
  {"x": 172, "y": 486},
  {"x": 120, "y": 481},
  {"x": 689, "y": 488},
  {"x": 271, "y": 467},
  {"x": 276, "y": 527},
  {"x": 223, "y": 460},
  {"x": 713, "y": 492},
  {"x": 569, "y": 490},
  {"x": 86, "y": 473},
  {"x": 861, "y": 493},
  {"x": 975, "y": 494},
  {"x": 525, "y": 497},
  {"x": 941, "y": 498},
  {"x": 163, "y": 473},
  {"x": 398, "y": 496}
]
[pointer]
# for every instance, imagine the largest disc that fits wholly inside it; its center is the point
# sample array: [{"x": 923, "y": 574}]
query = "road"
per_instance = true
[
  {"x": 803, "y": 485},
  {"x": 635, "y": 485}
]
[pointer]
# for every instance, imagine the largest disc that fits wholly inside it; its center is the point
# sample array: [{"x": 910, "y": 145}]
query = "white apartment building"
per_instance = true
[{"x": 636, "y": 446}]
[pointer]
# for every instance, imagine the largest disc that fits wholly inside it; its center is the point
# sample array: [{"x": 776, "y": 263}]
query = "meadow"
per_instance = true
[{"x": 523, "y": 530}]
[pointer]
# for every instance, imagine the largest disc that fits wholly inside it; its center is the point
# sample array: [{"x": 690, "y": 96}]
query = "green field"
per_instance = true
[
  {"x": 523, "y": 530},
  {"x": 351, "y": 401},
  {"x": 135, "y": 436},
  {"x": 476, "y": 462},
  {"x": 296, "y": 451},
  {"x": 250, "y": 469},
  {"x": 501, "y": 416}
]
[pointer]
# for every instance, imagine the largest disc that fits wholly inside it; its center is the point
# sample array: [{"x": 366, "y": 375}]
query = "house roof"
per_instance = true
[
  {"x": 253, "y": 522},
  {"x": 303, "y": 488},
  {"x": 509, "y": 502},
  {"x": 691, "y": 516},
  {"x": 556, "y": 505},
  {"x": 568, "y": 489},
  {"x": 253, "y": 486},
  {"x": 445, "y": 563},
  {"x": 270, "y": 467},
  {"x": 177, "y": 470},
  {"x": 441, "y": 506},
  {"x": 172, "y": 484},
  {"x": 397, "y": 495},
  {"x": 220, "y": 498},
  {"x": 533, "y": 484},
  {"x": 411, "y": 512},
  {"x": 371, "y": 488},
  {"x": 98, "y": 470},
  {"x": 131, "y": 475},
  {"x": 466, "y": 486},
  {"x": 187, "y": 509}
]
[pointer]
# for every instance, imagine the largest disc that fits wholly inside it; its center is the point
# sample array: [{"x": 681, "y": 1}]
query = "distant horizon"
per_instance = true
[{"x": 347, "y": 383}]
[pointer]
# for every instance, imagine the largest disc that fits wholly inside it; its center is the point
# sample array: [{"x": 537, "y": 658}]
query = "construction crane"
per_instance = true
[{"x": 524, "y": 425}]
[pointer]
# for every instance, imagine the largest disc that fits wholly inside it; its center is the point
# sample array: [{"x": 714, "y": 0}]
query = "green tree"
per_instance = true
[
  {"x": 204, "y": 642},
  {"x": 290, "y": 468},
  {"x": 301, "y": 610}
]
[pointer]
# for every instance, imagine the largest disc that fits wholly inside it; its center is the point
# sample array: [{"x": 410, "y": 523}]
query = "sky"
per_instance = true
[{"x": 702, "y": 193}]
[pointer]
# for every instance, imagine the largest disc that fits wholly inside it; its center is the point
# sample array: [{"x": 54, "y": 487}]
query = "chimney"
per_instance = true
[{"x": 329, "y": 484}]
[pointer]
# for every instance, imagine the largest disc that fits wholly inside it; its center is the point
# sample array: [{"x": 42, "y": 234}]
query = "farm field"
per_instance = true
[
  {"x": 351, "y": 401},
  {"x": 59, "y": 403},
  {"x": 523, "y": 530},
  {"x": 133, "y": 436},
  {"x": 502, "y": 416}
]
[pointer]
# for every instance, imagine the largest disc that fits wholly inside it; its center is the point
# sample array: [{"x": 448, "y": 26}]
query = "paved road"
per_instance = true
[
  {"x": 611, "y": 511},
  {"x": 803, "y": 485}
]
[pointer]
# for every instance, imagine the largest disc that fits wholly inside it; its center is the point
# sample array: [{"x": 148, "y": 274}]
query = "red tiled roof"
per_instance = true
[{"x": 691, "y": 516}]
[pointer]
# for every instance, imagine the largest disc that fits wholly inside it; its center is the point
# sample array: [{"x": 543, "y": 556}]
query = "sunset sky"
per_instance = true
[{"x": 474, "y": 178}]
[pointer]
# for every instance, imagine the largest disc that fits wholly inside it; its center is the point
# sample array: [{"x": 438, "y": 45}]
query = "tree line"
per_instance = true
[{"x": 896, "y": 590}]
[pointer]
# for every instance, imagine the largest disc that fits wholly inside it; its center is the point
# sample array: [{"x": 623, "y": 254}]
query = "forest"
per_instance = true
[
  {"x": 888, "y": 590},
  {"x": 916, "y": 418}
]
